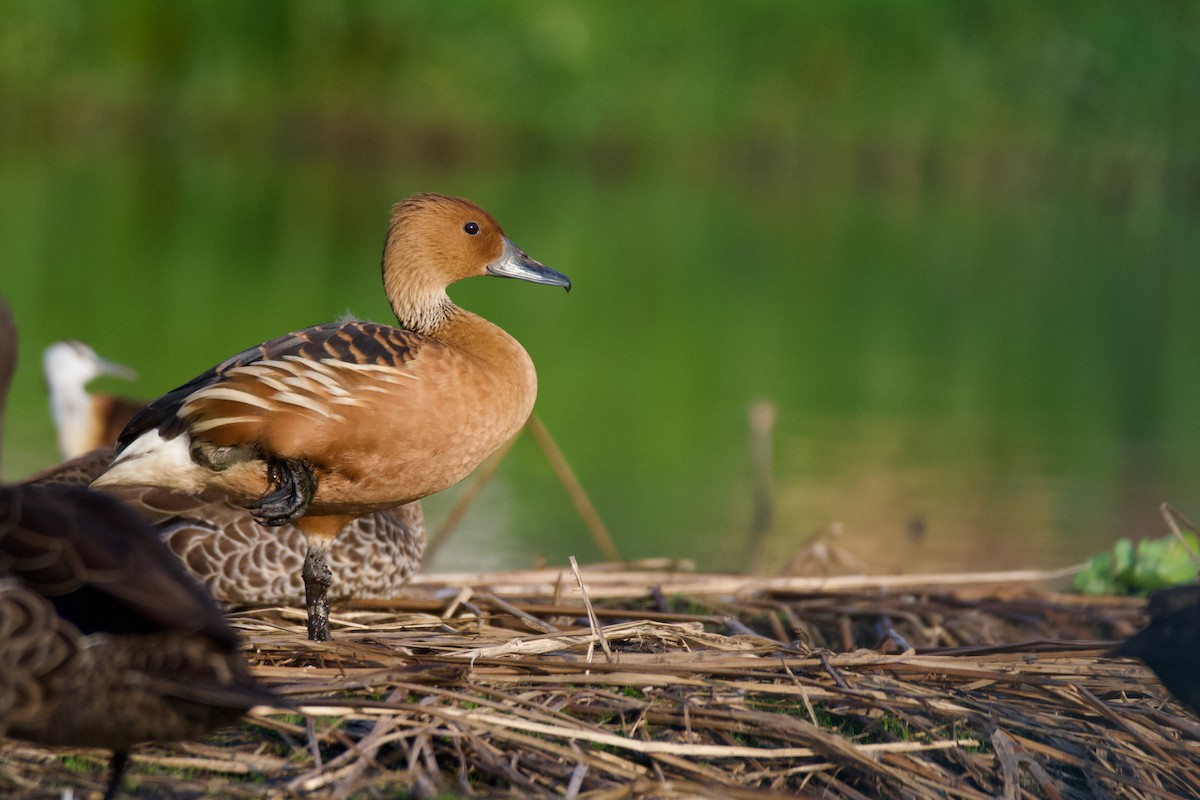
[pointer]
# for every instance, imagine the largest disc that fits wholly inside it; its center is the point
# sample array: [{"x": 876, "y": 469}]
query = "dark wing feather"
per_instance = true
[
  {"x": 356, "y": 342},
  {"x": 101, "y": 564}
]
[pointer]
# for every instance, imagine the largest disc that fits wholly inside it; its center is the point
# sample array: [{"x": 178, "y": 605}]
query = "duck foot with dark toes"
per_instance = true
[
  {"x": 317, "y": 577},
  {"x": 294, "y": 486}
]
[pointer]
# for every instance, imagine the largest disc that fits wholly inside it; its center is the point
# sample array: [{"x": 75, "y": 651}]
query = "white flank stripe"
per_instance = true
[
  {"x": 383, "y": 368},
  {"x": 320, "y": 365},
  {"x": 301, "y": 383},
  {"x": 301, "y": 366},
  {"x": 271, "y": 381},
  {"x": 307, "y": 403},
  {"x": 151, "y": 460},
  {"x": 329, "y": 382},
  {"x": 209, "y": 424},
  {"x": 260, "y": 368},
  {"x": 147, "y": 442},
  {"x": 286, "y": 364},
  {"x": 229, "y": 393}
]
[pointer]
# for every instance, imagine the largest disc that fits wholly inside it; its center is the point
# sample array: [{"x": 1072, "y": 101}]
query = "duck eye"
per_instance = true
[{"x": 472, "y": 228}]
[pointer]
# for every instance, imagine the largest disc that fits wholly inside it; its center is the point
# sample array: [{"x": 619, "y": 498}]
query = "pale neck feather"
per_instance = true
[{"x": 71, "y": 407}]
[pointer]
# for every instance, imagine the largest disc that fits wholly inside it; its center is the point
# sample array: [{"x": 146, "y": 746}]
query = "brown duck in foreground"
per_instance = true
[
  {"x": 105, "y": 641},
  {"x": 333, "y": 422},
  {"x": 239, "y": 562}
]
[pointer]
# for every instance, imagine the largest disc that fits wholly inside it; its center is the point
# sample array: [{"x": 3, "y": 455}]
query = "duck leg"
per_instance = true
[
  {"x": 317, "y": 577},
  {"x": 320, "y": 531},
  {"x": 294, "y": 486},
  {"x": 116, "y": 770}
]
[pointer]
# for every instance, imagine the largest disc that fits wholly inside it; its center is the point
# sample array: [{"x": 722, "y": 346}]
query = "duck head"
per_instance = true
[
  {"x": 434, "y": 241},
  {"x": 75, "y": 364}
]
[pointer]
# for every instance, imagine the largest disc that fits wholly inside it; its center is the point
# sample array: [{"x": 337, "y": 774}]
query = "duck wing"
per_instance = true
[{"x": 244, "y": 385}]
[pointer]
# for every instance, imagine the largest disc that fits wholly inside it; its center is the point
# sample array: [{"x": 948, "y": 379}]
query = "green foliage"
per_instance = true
[
  {"x": 1138, "y": 568},
  {"x": 896, "y": 727},
  {"x": 571, "y": 71},
  {"x": 83, "y": 766},
  {"x": 950, "y": 239}
]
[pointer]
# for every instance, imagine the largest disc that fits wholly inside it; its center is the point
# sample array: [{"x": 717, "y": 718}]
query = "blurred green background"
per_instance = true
[{"x": 953, "y": 242}]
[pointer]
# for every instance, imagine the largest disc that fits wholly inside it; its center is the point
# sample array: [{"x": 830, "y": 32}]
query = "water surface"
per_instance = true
[{"x": 957, "y": 255}]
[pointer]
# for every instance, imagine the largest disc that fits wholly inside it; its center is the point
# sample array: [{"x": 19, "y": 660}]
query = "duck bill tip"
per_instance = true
[
  {"x": 514, "y": 263},
  {"x": 117, "y": 370}
]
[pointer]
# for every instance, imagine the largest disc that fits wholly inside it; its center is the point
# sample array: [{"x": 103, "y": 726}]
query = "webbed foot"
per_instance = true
[{"x": 294, "y": 486}]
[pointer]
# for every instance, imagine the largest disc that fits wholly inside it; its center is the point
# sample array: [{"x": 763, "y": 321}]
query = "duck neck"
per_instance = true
[
  {"x": 453, "y": 325},
  {"x": 426, "y": 314},
  {"x": 433, "y": 314},
  {"x": 72, "y": 410}
]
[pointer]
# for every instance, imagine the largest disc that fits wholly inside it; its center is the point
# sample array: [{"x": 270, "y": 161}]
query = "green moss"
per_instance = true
[{"x": 83, "y": 766}]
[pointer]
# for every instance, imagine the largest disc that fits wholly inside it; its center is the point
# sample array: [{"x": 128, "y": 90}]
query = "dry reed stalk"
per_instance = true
[
  {"x": 618, "y": 586},
  {"x": 597, "y": 633},
  {"x": 497, "y": 697},
  {"x": 540, "y": 434},
  {"x": 1173, "y": 518}
]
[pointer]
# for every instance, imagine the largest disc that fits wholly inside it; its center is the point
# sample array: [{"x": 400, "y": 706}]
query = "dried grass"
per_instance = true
[{"x": 685, "y": 685}]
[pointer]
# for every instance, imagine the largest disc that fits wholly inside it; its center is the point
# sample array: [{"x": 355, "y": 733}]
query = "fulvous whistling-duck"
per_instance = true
[
  {"x": 335, "y": 421},
  {"x": 234, "y": 558},
  {"x": 84, "y": 421},
  {"x": 241, "y": 563},
  {"x": 105, "y": 641}
]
